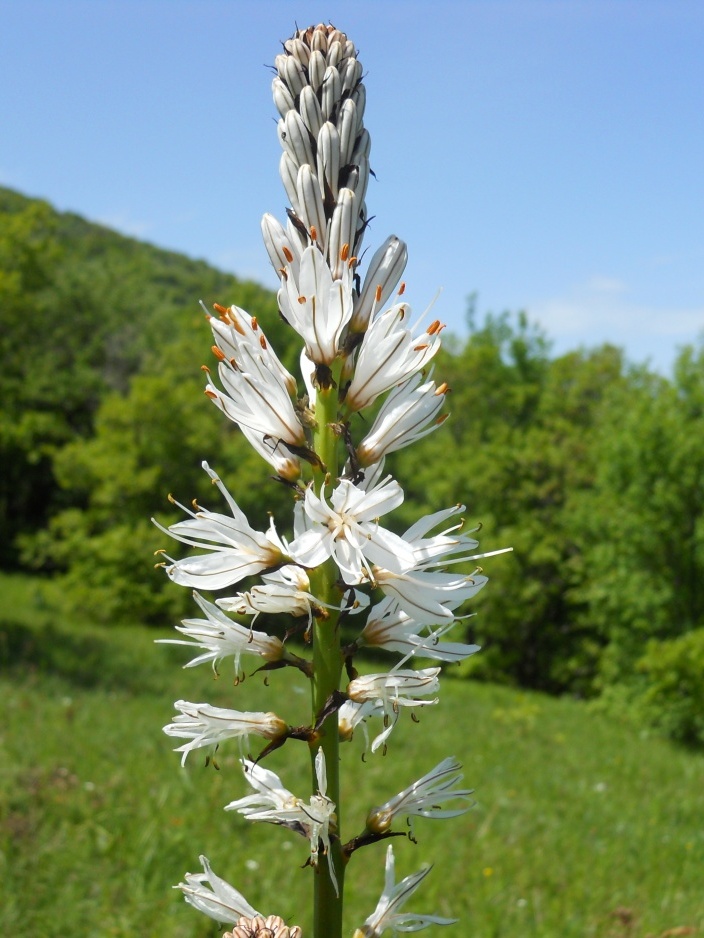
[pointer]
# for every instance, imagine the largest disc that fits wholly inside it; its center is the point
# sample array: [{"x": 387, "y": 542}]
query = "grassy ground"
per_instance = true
[{"x": 581, "y": 828}]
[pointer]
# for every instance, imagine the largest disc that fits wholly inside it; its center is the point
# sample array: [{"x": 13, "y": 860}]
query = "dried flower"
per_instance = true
[{"x": 270, "y": 927}]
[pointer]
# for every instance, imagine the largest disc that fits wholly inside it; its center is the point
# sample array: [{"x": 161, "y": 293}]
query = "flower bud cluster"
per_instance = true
[{"x": 341, "y": 564}]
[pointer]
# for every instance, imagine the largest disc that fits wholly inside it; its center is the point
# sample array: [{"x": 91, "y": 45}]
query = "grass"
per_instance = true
[{"x": 581, "y": 828}]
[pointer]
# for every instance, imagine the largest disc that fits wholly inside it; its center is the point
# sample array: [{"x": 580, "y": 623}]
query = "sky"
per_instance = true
[{"x": 547, "y": 155}]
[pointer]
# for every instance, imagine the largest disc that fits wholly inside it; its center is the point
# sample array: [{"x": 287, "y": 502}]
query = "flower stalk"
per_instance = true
[{"x": 343, "y": 569}]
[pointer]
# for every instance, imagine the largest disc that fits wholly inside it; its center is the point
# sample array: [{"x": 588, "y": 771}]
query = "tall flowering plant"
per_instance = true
[{"x": 342, "y": 565}]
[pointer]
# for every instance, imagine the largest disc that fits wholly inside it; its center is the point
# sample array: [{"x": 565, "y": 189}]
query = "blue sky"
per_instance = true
[{"x": 547, "y": 154}]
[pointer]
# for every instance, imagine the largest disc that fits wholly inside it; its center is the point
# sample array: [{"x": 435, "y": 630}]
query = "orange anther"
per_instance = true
[
  {"x": 402, "y": 288},
  {"x": 287, "y": 253},
  {"x": 211, "y": 394},
  {"x": 220, "y": 309},
  {"x": 345, "y": 252},
  {"x": 218, "y": 353},
  {"x": 301, "y": 300},
  {"x": 313, "y": 233},
  {"x": 377, "y": 293},
  {"x": 442, "y": 389}
]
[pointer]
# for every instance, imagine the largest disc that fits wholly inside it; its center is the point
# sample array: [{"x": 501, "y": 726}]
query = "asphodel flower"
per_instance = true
[
  {"x": 257, "y": 398},
  {"x": 275, "y": 804},
  {"x": 214, "y": 896},
  {"x": 409, "y": 413},
  {"x": 387, "y": 915},
  {"x": 390, "y": 692},
  {"x": 317, "y": 305},
  {"x": 389, "y": 354},
  {"x": 218, "y": 637},
  {"x": 236, "y": 549},
  {"x": 205, "y": 725},
  {"x": 348, "y": 530},
  {"x": 424, "y": 798},
  {"x": 389, "y": 627}
]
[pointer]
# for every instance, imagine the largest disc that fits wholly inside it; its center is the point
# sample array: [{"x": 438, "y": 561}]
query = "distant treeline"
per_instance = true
[{"x": 590, "y": 468}]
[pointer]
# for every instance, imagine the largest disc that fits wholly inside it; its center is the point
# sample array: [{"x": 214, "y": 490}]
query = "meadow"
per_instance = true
[{"x": 582, "y": 826}]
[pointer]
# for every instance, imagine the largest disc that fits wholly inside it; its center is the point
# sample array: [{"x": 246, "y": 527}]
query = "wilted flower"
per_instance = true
[
  {"x": 218, "y": 899},
  {"x": 392, "y": 898}
]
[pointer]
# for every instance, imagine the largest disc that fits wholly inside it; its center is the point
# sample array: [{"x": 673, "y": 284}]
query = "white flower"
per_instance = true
[
  {"x": 351, "y": 714},
  {"x": 237, "y": 550},
  {"x": 424, "y": 798},
  {"x": 219, "y": 637},
  {"x": 408, "y": 414},
  {"x": 391, "y": 628},
  {"x": 241, "y": 340},
  {"x": 221, "y": 901},
  {"x": 276, "y": 805},
  {"x": 349, "y": 532},
  {"x": 389, "y": 354},
  {"x": 428, "y": 597},
  {"x": 383, "y": 274},
  {"x": 205, "y": 725},
  {"x": 317, "y": 306},
  {"x": 285, "y": 590},
  {"x": 395, "y": 895},
  {"x": 389, "y": 692},
  {"x": 256, "y": 396}
]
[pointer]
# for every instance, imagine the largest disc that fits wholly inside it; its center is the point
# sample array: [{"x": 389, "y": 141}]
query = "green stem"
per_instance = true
[{"x": 327, "y": 670}]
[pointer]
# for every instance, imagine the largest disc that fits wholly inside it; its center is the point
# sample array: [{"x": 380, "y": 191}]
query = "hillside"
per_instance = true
[{"x": 82, "y": 310}]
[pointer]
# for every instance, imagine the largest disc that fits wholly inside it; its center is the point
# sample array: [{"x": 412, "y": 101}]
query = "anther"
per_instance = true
[
  {"x": 301, "y": 300},
  {"x": 377, "y": 293},
  {"x": 220, "y": 309},
  {"x": 287, "y": 253},
  {"x": 313, "y": 233},
  {"x": 210, "y": 394},
  {"x": 218, "y": 353},
  {"x": 344, "y": 252},
  {"x": 402, "y": 288}
]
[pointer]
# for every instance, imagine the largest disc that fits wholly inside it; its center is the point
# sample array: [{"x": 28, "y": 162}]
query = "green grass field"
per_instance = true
[{"x": 581, "y": 827}]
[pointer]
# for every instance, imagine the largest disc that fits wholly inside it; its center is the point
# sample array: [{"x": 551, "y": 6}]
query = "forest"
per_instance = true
[{"x": 590, "y": 467}]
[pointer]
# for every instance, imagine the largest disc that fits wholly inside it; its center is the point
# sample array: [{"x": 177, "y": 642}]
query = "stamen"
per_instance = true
[
  {"x": 313, "y": 233},
  {"x": 402, "y": 288},
  {"x": 287, "y": 254},
  {"x": 301, "y": 300},
  {"x": 344, "y": 252},
  {"x": 218, "y": 353}
]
